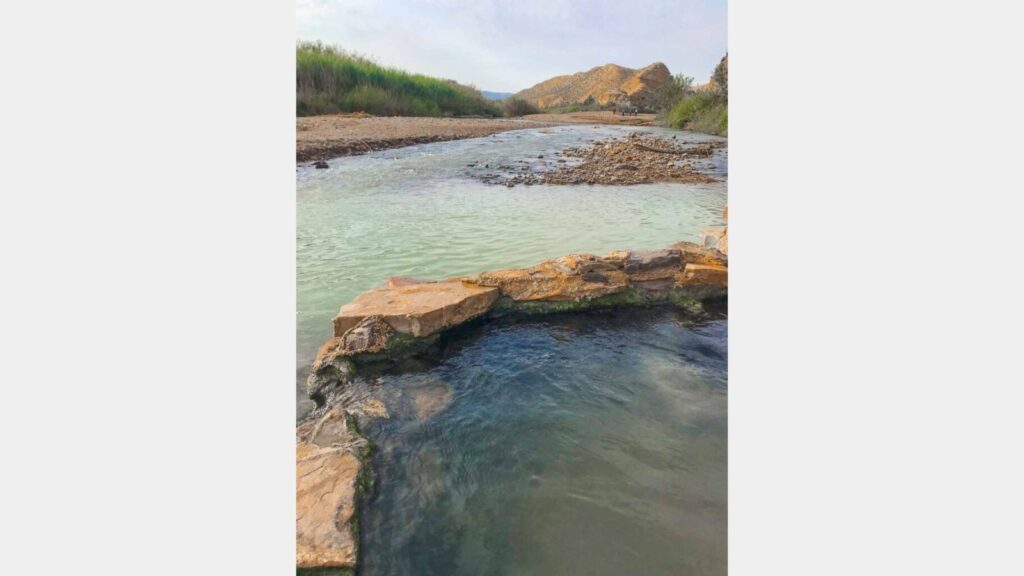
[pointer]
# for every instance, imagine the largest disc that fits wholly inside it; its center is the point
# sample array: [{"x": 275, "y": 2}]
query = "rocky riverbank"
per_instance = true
[
  {"x": 407, "y": 316},
  {"x": 636, "y": 159}
]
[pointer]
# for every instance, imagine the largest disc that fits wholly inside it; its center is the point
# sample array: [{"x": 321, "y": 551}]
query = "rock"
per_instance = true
[
  {"x": 371, "y": 335},
  {"x": 703, "y": 275},
  {"x": 691, "y": 253},
  {"x": 649, "y": 260},
  {"x": 430, "y": 399},
  {"x": 326, "y": 480},
  {"x": 569, "y": 278},
  {"x": 716, "y": 238},
  {"x": 331, "y": 367},
  {"x": 419, "y": 309},
  {"x": 320, "y": 165},
  {"x": 396, "y": 281}
]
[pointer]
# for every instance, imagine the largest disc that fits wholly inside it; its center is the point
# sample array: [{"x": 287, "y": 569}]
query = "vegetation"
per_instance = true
[
  {"x": 330, "y": 80},
  {"x": 704, "y": 111},
  {"x": 519, "y": 107},
  {"x": 701, "y": 111},
  {"x": 665, "y": 96},
  {"x": 588, "y": 106}
]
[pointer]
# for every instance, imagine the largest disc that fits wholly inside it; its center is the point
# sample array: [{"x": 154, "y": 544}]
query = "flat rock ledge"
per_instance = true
[
  {"x": 406, "y": 315},
  {"x": 329, "y": 456}
]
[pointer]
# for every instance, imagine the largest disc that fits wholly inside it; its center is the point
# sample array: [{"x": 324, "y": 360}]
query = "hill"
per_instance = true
[
  {"x": 495, "y": 95},
  {"x": 603, "y": 85},
  {"x": 330, "y": 80}
]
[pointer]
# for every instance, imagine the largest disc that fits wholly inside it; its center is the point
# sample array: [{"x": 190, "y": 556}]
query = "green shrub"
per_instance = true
[
  {"x": 330, "y": 80},
  {"x": 519, "y": 107},
  {"x": 701, "y": 111}
]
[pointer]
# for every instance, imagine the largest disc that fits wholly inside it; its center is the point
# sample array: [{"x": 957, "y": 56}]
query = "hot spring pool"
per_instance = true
[{"x": 575, "y": 444}]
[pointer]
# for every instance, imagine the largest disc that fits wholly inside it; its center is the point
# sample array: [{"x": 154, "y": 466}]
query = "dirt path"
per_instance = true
[{"x": 323, "y": 137}]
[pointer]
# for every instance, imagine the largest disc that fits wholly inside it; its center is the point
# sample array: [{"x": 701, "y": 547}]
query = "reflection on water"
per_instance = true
[
  {"x": 581, "y": 444},
  {"x": 417, "y": 211}
]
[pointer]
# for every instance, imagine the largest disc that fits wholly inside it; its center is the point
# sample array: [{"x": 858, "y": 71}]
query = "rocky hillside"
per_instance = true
[{"x": 608, "y": 84}]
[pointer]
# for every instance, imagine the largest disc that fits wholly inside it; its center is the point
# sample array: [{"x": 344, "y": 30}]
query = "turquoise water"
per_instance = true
[
  {"x": 417, "y": 211},
  {"x": 575, "y": 444}
]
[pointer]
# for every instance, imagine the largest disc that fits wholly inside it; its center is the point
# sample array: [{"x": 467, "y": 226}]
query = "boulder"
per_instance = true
[
  {"x": 326, "y": 482},
  {"x": 417, "y": 309}
]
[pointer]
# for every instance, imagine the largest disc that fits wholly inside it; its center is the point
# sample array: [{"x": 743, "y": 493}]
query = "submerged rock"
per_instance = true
[
  {"x": 429, "y": 399},
  {"x": 396, "y": 281}
]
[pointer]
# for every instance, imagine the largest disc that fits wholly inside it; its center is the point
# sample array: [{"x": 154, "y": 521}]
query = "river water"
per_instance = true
[
  {"x": 577, "y": 444},
  {"x": 573, "y": 444},
  {"x": 417, "y": 211}
]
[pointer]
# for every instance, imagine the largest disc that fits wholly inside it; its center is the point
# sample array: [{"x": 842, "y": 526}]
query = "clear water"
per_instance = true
[
  {"x": 418, "y": 211},
  {"x": 577, "y": 444}
]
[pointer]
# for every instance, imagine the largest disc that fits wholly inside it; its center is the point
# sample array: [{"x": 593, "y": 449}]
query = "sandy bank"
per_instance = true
[
  {"x": 323, "y": 137},
  {"x": 605, "y": 117}
]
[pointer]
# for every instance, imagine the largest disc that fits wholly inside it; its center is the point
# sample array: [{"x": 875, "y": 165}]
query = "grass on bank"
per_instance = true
[
  {"x": 330, "y": 80},
  {"x": 706, "y": 112}
]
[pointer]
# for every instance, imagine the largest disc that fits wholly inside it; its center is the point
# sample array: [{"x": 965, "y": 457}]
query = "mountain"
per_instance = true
[
  {"x": 495, "y": 95},
  {"x": 606, "y": 84}
]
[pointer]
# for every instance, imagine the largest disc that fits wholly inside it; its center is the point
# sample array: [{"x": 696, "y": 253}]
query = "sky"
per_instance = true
[{"x": 506, "y": 46}]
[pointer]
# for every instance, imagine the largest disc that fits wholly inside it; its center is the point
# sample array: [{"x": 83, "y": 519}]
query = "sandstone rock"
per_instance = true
[
  {"x": 716, "y": 238},
  {"x": 648, "y": 260},
  {"x": 326, "y": 474},
  {"x": 650, "y": 265},
  {"x": 703, "y": 275},
  {"x": 330, "y": 367},
  {"x": 370, "y": 335},
  {"x": 418, "y": 309},
  {"x": 691, "y": 253},
  {"x": 569, "y": 278},
  {"x": 430, "y": 399}
]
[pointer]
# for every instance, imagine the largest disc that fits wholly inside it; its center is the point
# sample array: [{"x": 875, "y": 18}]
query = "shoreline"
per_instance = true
[{"x": 319, "y": 138}]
